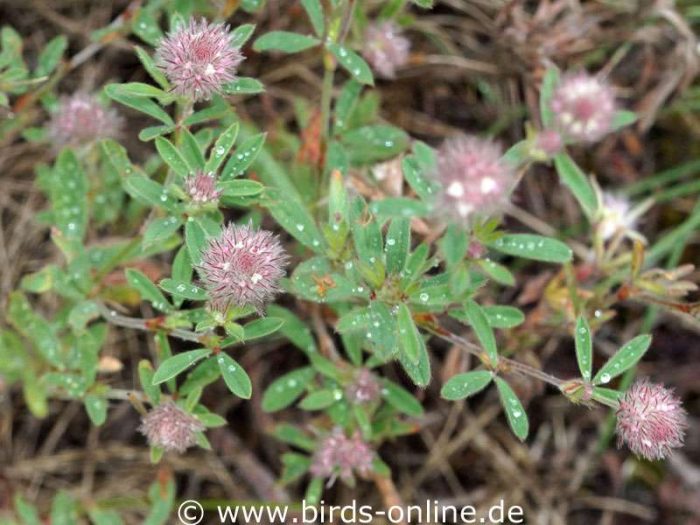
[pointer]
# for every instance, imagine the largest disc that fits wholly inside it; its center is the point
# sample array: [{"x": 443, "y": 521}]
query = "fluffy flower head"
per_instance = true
[
  {"x": 201, "y": 187},
  {"x": 650, "y": 420},
  {"x": 198, "y": 59},
  {"x": 81, "y": 119},
  {"x": 616, "y": 216},
  {"x": 474, "y": 177},
  {"x": 583, "y": 107},
  {"x": 242, "y": 267},
  {"x": 364, "y": 389},
  {"x": 385, "y": 48},
  {"x": 339, "y": 455},
  {"x": 169, "y": 427}
]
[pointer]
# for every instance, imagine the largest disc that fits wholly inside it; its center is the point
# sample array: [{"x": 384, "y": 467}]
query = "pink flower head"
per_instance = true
[
  {"x": 339, "y": 455},
  {"x": 650, "y": 420},
  {"x": 201, "y": 187},
  {"x": 242, "y": 267},
  {"x": 583, "y": 107},
  {"x": 198, "y": 59},
  {"x": 364, "y": 389},
  {"x": 475, "y": 179},
  {"x": 385, "y": 48},
  {"x": 81, "y": 119},
  {"x": 169, "y": 427}
]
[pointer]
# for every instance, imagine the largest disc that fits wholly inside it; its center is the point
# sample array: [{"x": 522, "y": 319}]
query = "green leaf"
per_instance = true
[
  {"x": 418, "y": 372},
  {"x": 34, "y": 395},
  {"x": 374, "y": 143},
  {"x": 294, "y": 436},
  {"x": 63, "y": 510},
  {"x": 425, "y": 4},
  {"x": 284, "y": 41},
  {"x": 479, "y": 323},
  {"x": 147, "y": 290},
  {"x": 574, "y": 179},
  {"x": 195, "y": 240},
  {"x": 515, "y": 413},
  {"x": 410, "y": 340},
  {"x": 353, "y": 63},
  {"x": 139, "y": 89},
  {"x": 549, "y": 83},
  {"x": 191, "y": 151},
  {"x": 415, "y": 176},
  {"x": 183, "y": 289},
  {"x": 96, "y": 408},
  {"x": 399, "y": 207},
  {"x": 35, "y": 328},
  {"x": 151, "y": 132},
  {"x": 244, "y": 155},
  {"x": 50, "y": 56},
  {"x": 41, "y": 281},
  {"x": 241, "y": 34},
  {"x": 294, "y": 467},
  {"x": 146, "y": 27},
  {"x": 398, "y": 243},
  {"x": 244, "y": 86},
  {"x": 172, "y": 157},
  {"x": 535, "y": 247},
  {"x": 150, "y": 66},
  {"x": 295, "y": 218},
  {"x": 160, "y": 229},
  {"x": 345, "y": 105},
  {"x": 286, "y": 389},
  {"x": 465, "y": 385},
  {"x": 320, "y": 399},
  {"x": 497, "y": 272},
  {"x": 81, "y": 314},
  {"x": 241, "y": 188},
  {"x": 294, "y": 328},
  {"x": 176, "y": 364},
  {"x": 401, "y": 399},
  {"x": 146, "y": 380},
  {"x": 584, "y": 347},
  {"x": 149, "y": 192},
  {"x": 503, "y": 316},
  {"x": 104, "y": 517},
  {"x": 380, "y": 330},
  {"x": 26, "y": 512},
  {"x": 144, "y": 105},
  {"x": 622, "y": 119},
  {"x": 262, "y": 327},
  {"x": 221, "y": 148},
  {"x": 69, "y": 196},
  {"x": 315, "y": 11},
  {"x": 235, "y": 377},
  {"x": 606, "y": 395},
  {"x": 624, "y": 359}
]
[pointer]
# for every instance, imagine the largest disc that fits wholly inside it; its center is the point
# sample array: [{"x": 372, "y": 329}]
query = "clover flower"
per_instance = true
[
  {"x": 583, "y": 107},
  {"x": 474, "y": 177},
  {"x": 339, "y": 455},
  {"x": 81, "y": 119},
  {"x": 364, "y": 388},
  {"x": 169, "y": 427},
  {"x": 650, "y": 420},
  {"x": 201, "y": 187},
  {"x": 385, "y": 48},
  {"x": 242, "y": 267},
  {"x": 198, "y": 59},
  {"x": 618, "y": 217}
]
